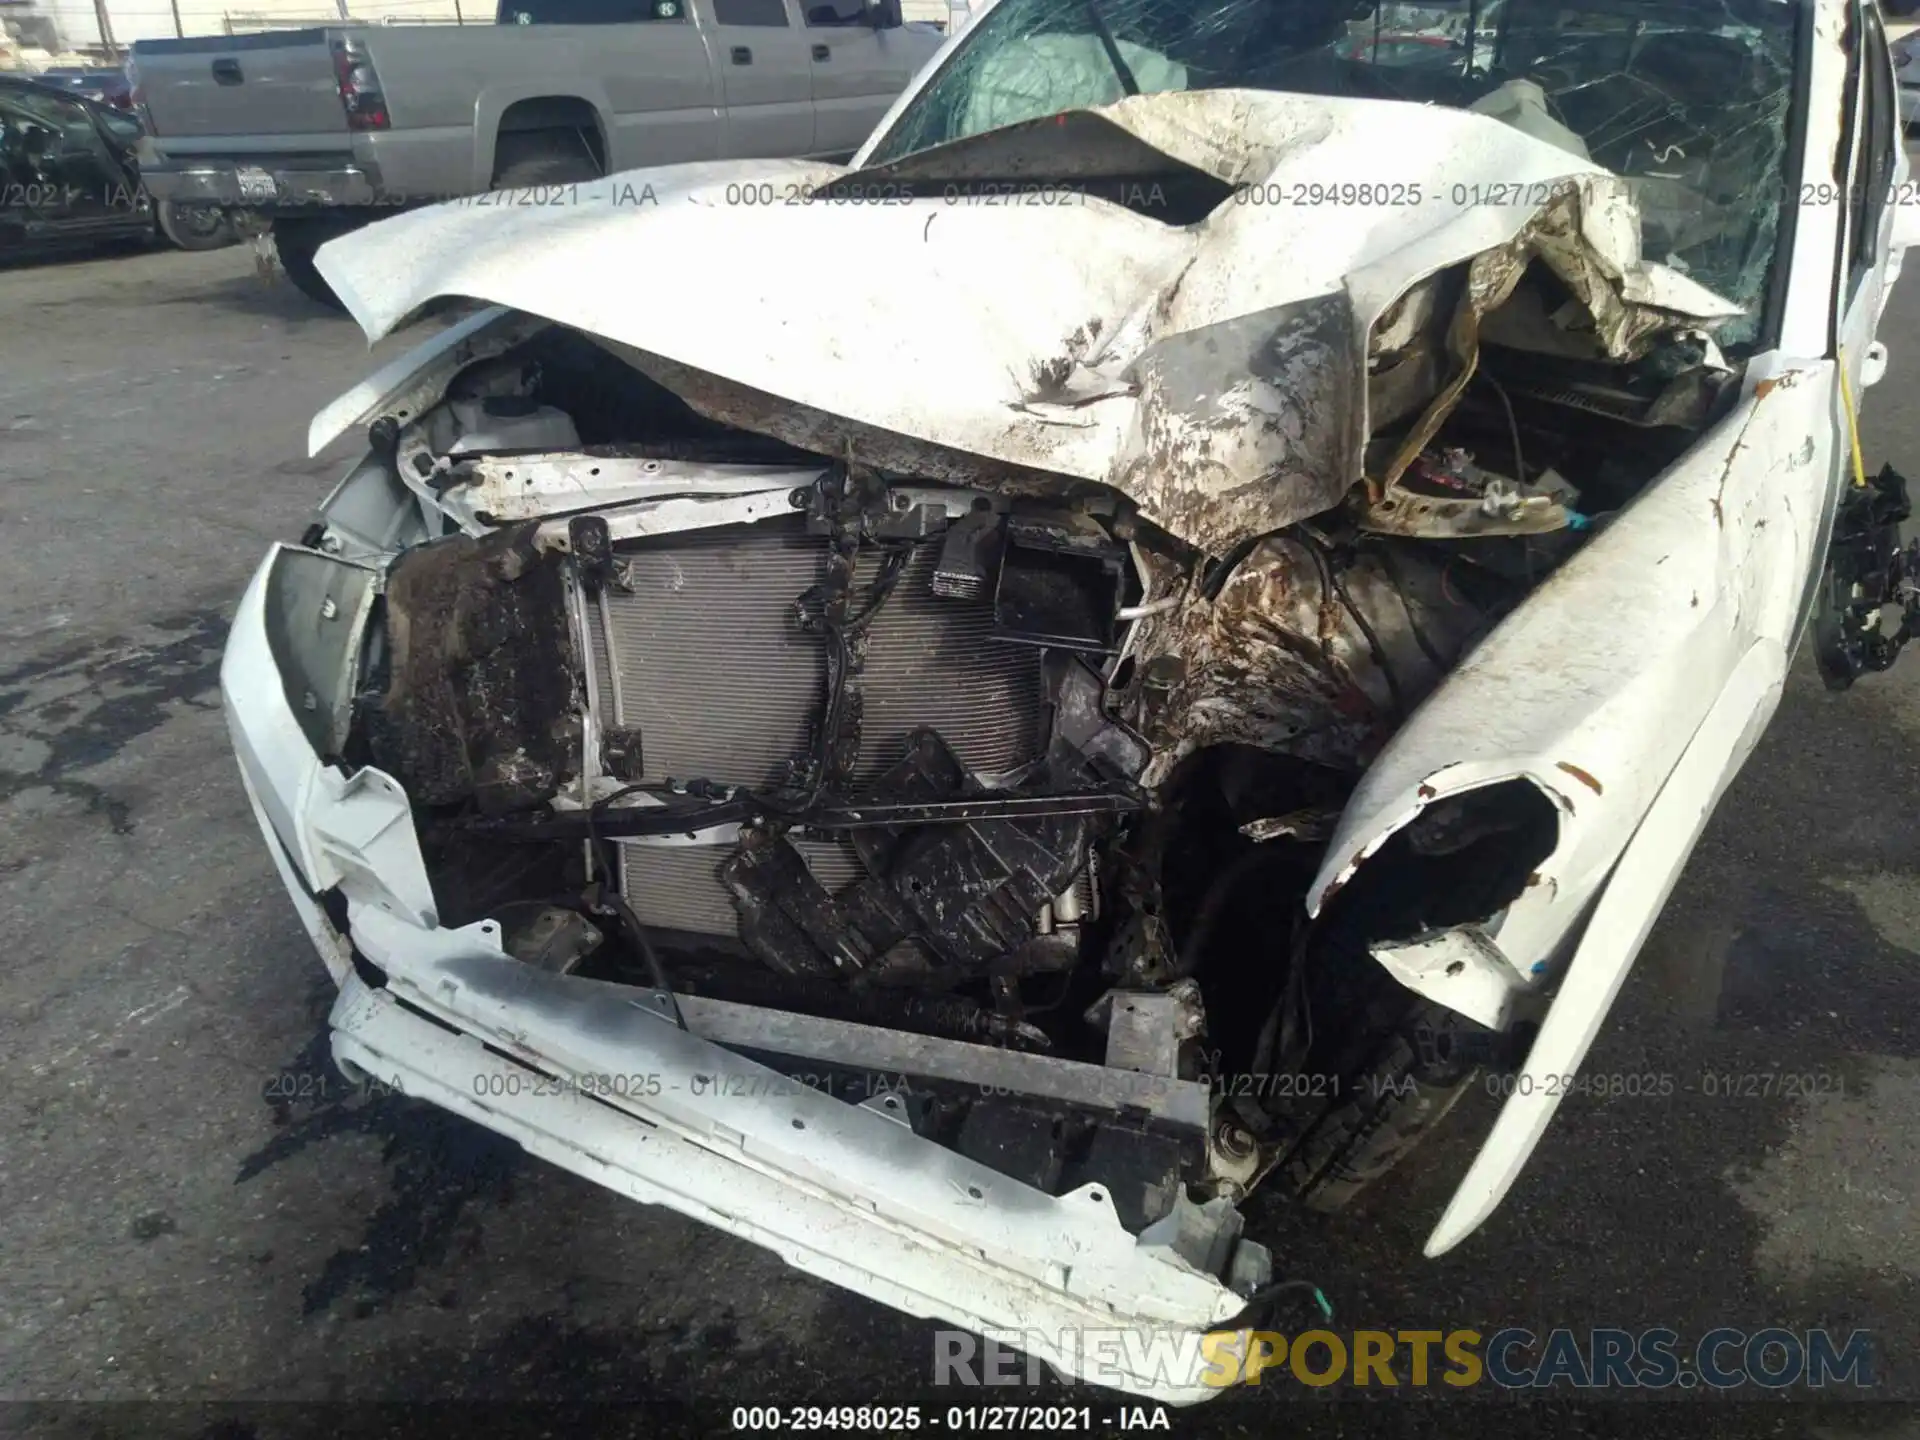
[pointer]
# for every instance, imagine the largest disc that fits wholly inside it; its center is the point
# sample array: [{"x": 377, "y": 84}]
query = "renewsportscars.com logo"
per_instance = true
[
  {"x": 1601, "y": 1358},
  {"x": 1514, "y": 1359}
]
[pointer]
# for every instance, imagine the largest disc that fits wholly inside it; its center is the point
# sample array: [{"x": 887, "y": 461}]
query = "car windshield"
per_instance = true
[{"x": 1689, "y": 99}]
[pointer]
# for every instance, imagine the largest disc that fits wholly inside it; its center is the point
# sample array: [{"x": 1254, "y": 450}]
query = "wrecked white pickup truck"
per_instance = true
[{"x": 1220, "y": 609}]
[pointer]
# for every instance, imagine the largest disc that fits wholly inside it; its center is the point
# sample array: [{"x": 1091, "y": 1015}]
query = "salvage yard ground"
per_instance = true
[{"x": 194, "y": 1209}]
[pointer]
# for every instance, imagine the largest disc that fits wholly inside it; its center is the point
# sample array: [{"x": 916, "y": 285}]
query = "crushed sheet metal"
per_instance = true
[
  {"x": 1461, "y": 968},
  {"x": 1575, "y": 235},
  {"x": 820, "y": 1234},
  {"x": 1275, "y": 655},
  {"x": 1594, "y": 686},
  {"x": 851, "y": 1160},
  {"x": 993, "y": 316}
]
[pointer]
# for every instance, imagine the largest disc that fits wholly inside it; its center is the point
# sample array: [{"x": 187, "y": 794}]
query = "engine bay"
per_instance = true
[{"x": 993, "y": 805}]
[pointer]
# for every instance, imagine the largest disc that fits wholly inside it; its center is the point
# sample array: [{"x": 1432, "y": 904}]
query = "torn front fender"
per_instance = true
[
  {"x": 1593, "y": 687},
  {"x": 1633, "y": 899},
  {"x": 1631, "y": 684}
]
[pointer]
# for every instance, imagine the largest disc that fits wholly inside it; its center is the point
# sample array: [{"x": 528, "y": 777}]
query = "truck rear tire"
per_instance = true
[
  {"x": 542, "y": 157},
  {"x": 295, "y": 242}
]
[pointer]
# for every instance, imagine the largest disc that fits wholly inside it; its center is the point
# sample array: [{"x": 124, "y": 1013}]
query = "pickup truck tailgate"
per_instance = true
[{"x": 277, "y": 83}]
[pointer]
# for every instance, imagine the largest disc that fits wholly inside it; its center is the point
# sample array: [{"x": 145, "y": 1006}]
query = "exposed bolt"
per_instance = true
[
  {"x": 310, "y": 701},
  {"x": 1234, "y": 1142},
  {"x": 328, "y": 609}
]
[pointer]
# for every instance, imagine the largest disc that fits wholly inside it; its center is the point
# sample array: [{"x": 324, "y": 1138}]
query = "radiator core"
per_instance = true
[
  {"x": 677, "y": 887},
  {"x": 700, "y": 653}
]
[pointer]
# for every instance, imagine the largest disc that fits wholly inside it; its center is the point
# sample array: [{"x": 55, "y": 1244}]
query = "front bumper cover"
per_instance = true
[{"x": 593, "y": 1077}]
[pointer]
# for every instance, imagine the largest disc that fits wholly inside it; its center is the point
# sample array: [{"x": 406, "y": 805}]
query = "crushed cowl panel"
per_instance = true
[{"x": 1213, "y": 372}]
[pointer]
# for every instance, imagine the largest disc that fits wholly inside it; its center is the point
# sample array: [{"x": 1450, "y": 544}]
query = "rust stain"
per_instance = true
[
  {"x": 1726, "y": 471},
  {"x": 1764, "y": 388},
  {"x": 1581, "y": 775},
  {"x": 1426, "y": 791}
]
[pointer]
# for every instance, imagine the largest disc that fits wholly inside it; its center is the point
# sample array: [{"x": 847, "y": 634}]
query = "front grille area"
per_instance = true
[{"x": 701, "y": 655}]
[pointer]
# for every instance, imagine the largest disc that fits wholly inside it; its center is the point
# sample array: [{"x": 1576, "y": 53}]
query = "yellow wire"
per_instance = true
[{"x": 1853, "y": 423}]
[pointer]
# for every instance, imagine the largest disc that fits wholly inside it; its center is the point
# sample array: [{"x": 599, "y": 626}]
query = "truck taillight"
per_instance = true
[
  {"x": 359, "y": 86},
  {"x": 137, "y": 98}
]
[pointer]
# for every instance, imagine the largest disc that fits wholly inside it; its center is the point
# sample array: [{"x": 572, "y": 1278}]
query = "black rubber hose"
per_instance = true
[
  {"x": 1392, "y": 569},
  {"x": 1216, "y": 578},
  {"x": 1513, "y": 427},
  {"x": 1330, "y": 578},
  {"x": 1214, "y": 904},
  {"x": 650, "y": 957}
]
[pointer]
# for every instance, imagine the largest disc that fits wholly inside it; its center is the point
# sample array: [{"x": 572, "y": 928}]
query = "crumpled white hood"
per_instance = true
[{"x": 1214, "y": 373}]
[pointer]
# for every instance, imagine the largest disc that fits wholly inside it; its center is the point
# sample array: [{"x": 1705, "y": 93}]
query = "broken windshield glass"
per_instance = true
[{"x": 1687, "y": 99}]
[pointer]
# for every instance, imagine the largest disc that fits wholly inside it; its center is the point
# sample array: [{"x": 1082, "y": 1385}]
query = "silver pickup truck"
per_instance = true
[{"x": 319, "y": 131}]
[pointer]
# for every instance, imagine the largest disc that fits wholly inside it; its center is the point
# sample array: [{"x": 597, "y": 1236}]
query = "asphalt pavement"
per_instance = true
[{"x": 203, "y": 1234}]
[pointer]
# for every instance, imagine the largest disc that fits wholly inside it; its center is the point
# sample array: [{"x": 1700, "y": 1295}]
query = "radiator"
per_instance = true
[
  {"x": 701, "y": 656},
  {"x": 675, "y": 887}
]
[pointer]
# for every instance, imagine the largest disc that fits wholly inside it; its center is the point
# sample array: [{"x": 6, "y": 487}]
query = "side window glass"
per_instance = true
[
  {"x": 822, "y": 13},
  {"x": 66, "y": 118},
  {"x": 750, "y": 12},
  {"x": 29, "y": 135}
]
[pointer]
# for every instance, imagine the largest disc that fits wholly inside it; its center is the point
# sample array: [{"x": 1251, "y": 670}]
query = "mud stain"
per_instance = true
[
  {"x": 444, "y": 1171},
  {"x": 79, "y": 705}
]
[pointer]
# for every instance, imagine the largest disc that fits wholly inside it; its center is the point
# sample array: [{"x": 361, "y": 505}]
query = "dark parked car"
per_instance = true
[
  {"x": 67, "y": 170},
  {"x": 109, "y": 87},
  {"x": 68, "y": 175}
]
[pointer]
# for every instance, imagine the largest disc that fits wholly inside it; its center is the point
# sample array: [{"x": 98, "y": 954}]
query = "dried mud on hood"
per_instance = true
[{"x": 1216, "y": 373}]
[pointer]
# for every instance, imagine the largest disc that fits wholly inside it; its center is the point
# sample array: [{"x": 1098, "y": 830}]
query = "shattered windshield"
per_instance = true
[{"x": 1688, "y": 99}]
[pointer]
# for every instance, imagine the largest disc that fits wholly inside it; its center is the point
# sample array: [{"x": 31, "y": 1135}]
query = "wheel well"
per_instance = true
[{"x": 563, "y": 117}]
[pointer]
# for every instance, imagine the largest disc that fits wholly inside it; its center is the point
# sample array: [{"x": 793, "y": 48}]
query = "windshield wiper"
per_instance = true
[{"x": 1127, "y": 82}]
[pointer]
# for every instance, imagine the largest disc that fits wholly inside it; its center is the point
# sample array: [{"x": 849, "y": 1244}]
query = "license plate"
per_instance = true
[{"x": 255, "y": 183}]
